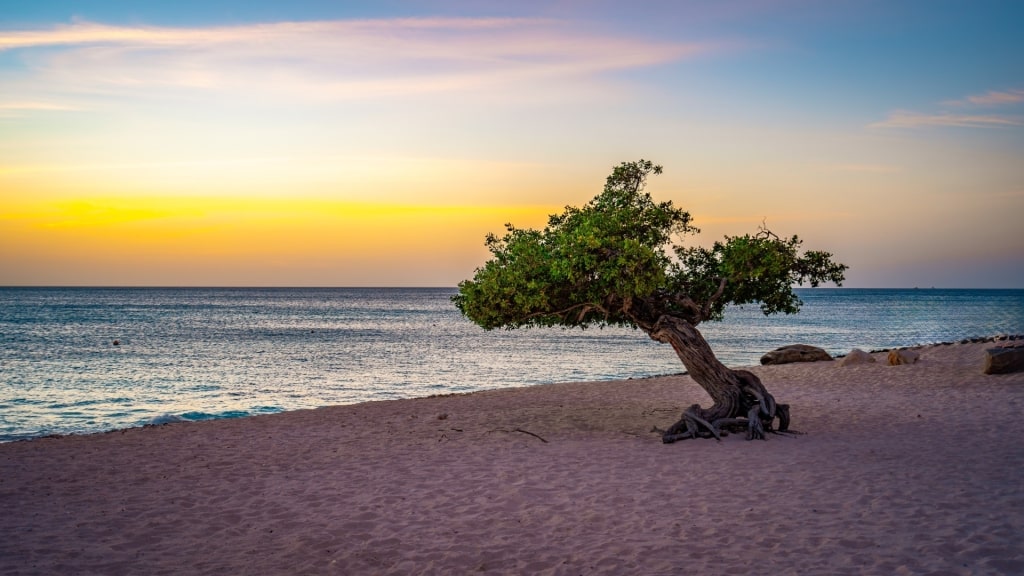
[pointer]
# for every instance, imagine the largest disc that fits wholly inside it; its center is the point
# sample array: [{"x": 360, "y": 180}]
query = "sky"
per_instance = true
[{"x": 325, "y": 143}]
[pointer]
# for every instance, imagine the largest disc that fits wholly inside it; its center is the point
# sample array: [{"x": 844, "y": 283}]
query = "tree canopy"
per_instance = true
[{"x": 619, "y": 260}]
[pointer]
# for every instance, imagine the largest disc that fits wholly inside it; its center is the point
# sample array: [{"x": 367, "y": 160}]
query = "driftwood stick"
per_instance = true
[
  {"x": 531, "y": 434},
  {"x": 517, "y": 430}
]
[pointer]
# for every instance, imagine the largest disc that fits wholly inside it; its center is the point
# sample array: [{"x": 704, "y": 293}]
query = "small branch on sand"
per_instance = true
[
  {"x": 531, "y": 434},
  {"x": 519, "y": 430}
]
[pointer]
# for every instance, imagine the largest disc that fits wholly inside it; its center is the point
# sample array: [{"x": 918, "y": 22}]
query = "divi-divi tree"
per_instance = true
[{"x": 620, "y": 260}]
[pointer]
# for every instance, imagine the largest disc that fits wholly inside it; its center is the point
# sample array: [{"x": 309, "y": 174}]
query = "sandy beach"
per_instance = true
[{"x": 914, "y": 469}]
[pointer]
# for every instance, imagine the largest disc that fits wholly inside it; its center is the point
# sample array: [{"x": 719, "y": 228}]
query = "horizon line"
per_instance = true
[{"x": 401, "y": 287}]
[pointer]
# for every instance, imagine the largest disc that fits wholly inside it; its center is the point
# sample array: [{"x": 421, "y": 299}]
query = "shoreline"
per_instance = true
[
  {"x": 166, "y": 419},
  {"x": 976, "y": 340},
  {"x": 900, "y": 469}
]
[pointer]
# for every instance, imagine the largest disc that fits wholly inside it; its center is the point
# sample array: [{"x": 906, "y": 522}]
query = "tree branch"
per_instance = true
[
  {"x": 562, "y": 314},
  {"x": 686, "y": 302},
  {"x": 642, "y": 323},
  {"x": 706, "y": 311},
  {"x": 764, "y": 232}
]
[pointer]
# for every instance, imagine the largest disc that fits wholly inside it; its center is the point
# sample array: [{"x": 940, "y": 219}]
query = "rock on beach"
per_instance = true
[
  {"x": 1004, "y": 360},
  {"x": 857, "y": 356},
  {"x": 795, "y": 353}
]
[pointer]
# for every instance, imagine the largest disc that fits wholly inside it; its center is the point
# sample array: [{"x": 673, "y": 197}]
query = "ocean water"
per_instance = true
[{"x": 201, "y": 353}]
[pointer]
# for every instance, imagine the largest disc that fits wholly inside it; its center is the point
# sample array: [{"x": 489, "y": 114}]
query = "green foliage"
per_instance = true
[
  {"x": 760, "y": 268},
  {"x": 607, "y": 263}
]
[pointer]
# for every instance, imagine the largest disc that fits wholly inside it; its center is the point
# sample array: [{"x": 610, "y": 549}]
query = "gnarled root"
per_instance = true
[
  {"x": 782, "y": 410},
  {"x": 756, "y": 404},
  {"x": 691, "y": 424},
  {"x": 761, "y": 408}
]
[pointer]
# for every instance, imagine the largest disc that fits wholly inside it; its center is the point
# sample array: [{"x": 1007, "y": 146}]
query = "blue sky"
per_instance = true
[{"x": 326, "y": 143}]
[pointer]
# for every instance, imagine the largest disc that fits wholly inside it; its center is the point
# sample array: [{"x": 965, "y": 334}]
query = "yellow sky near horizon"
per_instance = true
[
  {"x": 230, "y": 223},
  {"x": 204, "y": 240}
]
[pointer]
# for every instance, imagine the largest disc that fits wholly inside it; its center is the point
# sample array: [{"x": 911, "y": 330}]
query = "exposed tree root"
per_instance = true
[{"x": 755, "y": 413}]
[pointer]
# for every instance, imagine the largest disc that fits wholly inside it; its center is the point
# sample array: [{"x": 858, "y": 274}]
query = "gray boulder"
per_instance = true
[
  {"x": 1004, "y": 360},
  {"x": 795, "y": 353}
]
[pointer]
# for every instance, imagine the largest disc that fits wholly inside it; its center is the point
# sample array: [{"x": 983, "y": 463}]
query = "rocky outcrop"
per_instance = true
[
  {"x": 1004, "y": 360},
  {"x": 857, "y": 356},
  {"x": 904, "y": 356},
  {"x": 795, "y": 353}
]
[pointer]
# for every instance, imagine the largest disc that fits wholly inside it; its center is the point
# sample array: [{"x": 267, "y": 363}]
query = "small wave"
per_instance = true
[
  {"x": 165, "y": 419},
  {"x": 22, "y": 436},
  {"x": 91, "y": 402},
  {"x": 198, "y": 416},
  {"x": 27, "y": 402}
]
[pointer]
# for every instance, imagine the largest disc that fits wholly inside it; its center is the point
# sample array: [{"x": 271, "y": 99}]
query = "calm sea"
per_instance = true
[{"x": 218, "y": 353}]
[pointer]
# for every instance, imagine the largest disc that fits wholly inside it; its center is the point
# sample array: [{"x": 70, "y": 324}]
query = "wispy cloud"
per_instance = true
[
  {"x": 22, "y": 108},
  {"x": 919, "y": 120},
  {"x": 944, "y": 118},
  {"x": 35, "y": 106},
  {"x": 84, "y": 32},
  {"x": 991, "y": 98},
  {"x": 330, "y": 59}
]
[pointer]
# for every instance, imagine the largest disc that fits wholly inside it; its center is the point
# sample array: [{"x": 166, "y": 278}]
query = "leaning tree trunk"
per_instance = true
[{"x": 740, "y": 400}]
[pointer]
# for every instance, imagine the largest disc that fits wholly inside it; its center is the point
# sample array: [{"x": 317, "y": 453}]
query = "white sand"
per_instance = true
[{"x": 903, "y": 470}]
